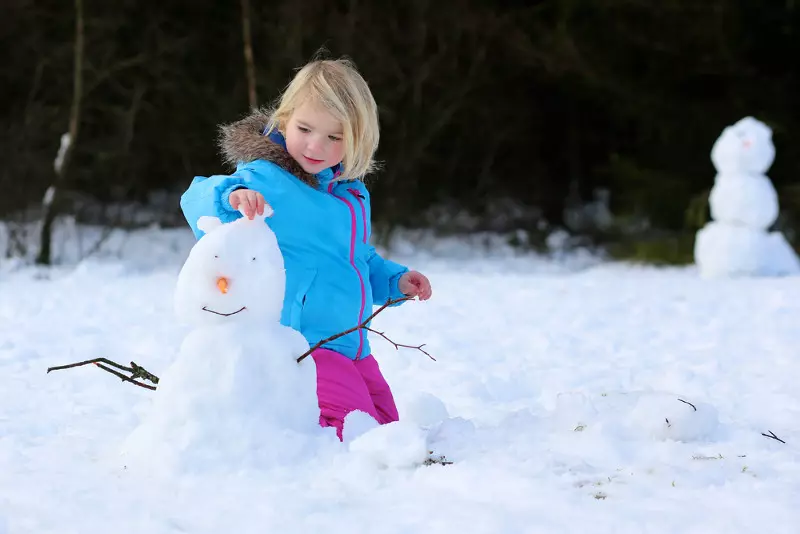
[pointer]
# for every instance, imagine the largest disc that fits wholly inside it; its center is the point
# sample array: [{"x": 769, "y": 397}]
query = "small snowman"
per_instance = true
[
  {"x": 235, "y": 397},
  {"x": 743, "y": 205}
]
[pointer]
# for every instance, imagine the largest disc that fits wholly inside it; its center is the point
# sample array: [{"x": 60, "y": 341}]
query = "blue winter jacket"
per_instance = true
[{"x": 333, "y": 275}]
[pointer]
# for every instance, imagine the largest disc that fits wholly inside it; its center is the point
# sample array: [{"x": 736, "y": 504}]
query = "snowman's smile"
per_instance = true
[{"x": 223, "y": 314}]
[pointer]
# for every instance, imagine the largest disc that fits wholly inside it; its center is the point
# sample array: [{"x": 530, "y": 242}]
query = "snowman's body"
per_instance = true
[
  {"x": 745, "y": 200},
  {"x": 743, "y": 205},
  {"x": 235, "y": 397}
]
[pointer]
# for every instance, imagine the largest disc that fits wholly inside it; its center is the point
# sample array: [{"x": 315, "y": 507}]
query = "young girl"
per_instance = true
[{"x": 305, "y": 159}]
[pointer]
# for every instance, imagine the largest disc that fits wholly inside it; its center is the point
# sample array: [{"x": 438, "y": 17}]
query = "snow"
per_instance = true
[
  {"x": 548, "y": 391},
  {"x": 743, "y": 205},
  {"x": 49, "y": 194},
  {"x": 58, "y": 163}
]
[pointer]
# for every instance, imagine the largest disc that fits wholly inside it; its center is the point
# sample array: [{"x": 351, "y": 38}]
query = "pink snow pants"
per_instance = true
[{"x": 345, "y": 385}]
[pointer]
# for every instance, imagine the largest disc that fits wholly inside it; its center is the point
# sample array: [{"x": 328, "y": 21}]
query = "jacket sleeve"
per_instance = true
[
  {"x": 208, "y": 195},
  {"x": 384, "y": 276}
]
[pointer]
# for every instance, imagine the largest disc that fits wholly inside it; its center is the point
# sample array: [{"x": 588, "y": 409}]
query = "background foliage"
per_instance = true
[{"x": 546, "y": 103}]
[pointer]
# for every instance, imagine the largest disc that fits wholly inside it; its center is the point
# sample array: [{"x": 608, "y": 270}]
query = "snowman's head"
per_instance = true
[
  {"x": 235, "y": 272},
  {"x": 744, "y": 147}
]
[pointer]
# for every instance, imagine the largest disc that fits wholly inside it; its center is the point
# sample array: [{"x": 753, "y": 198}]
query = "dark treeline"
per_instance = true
[{"x": 541, "y": 102}]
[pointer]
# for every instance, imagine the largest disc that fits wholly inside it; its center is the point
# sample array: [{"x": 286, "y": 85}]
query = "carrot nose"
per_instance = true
[
  {"x": 746, "y": 143},
  {"x": 222, "y": 284}
]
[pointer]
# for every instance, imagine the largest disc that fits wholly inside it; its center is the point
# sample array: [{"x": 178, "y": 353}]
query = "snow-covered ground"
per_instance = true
[{"x": 552, "y": 373}]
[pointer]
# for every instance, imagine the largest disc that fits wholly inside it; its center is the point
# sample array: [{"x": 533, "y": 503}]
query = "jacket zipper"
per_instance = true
[
  {"x": 360, "y": 198},
  {"x": 353, "y": 230}
]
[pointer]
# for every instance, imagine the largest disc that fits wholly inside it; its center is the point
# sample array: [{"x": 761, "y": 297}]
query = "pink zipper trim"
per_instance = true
[
  {"x": 353, "y": 264},
  {"x": 363, "y": 211}
]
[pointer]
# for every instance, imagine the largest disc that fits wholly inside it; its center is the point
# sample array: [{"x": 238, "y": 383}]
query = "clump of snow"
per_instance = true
[
  {"x": 638, "y": 415},
  {"x": 356, "y": 424},
  {"x": 424, "y": 409},
  {"x": 663, "y": 416},
  {"x": 401, "y": 444}
]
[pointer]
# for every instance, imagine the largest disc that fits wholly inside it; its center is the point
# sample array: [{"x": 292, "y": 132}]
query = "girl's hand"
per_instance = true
[
  {"x": 249, "y": 202},
  {"x": 415, "y": 284}
]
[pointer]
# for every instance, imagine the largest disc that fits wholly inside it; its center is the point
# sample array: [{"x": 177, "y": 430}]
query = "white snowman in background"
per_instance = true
[
  {"x": 743, "y": 205},
  {"x": 235, "y": 396}
]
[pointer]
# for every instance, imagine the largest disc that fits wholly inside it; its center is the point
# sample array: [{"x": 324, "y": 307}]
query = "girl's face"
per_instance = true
[{"x": 314, "y": 137}]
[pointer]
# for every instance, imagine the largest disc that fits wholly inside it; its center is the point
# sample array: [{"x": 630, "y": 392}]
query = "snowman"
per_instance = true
[
  {"x": 743, "y": 205},
  {"x": 235, "y": 397}
]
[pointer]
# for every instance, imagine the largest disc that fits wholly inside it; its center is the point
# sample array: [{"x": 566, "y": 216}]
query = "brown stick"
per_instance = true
[
  {"x": 398, "y": 345},
  {"x": 125, "y": 378},
  {"x": 136, "y": 371},
  {"x": 362, "y": 325}
]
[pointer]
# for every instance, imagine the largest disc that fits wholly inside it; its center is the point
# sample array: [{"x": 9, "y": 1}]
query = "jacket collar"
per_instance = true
[{"x": 244, "y": 141}]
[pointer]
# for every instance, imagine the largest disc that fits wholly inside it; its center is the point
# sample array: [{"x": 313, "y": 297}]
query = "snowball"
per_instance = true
[
  {"x": 424, "y": 409},
  {"x": 393, "y": 445},
  {"x": 452, "y": 437},
  {"x": 724, "y": 250},
  {"x": 235, "y": 269},
  {"x": 744, "y": 200},
  {"x": 663, "y": 416},
  {"x": 357, "y": 423}
]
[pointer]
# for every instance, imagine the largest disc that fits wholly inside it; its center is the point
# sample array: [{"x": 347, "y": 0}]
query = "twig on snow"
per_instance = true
[
  {"x": 772, "y": 435},
  {"x": 136, "y": 371}
]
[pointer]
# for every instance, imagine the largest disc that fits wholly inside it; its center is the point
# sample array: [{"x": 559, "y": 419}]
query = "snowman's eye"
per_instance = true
[
  {"x": 216, "y": 256},
  {"x": 254, "y": 258}
]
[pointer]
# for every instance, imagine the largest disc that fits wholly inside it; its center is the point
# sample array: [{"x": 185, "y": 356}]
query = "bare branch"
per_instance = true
[
  {"x": 362, "y": 325},
  {"x": 136, "y": 371},
  {"x": 398, "y": 345},
  {"x": 771, "y": 435},
  {"x": 125, "y": 378}
]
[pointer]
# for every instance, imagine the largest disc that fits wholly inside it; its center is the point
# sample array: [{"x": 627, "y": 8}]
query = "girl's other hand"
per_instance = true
[
  {"x": 415, "y": 284},
  {"x": 249, "y": 202}
]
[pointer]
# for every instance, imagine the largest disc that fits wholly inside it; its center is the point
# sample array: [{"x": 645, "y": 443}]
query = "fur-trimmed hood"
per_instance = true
[{"x": 244, "y": 141}]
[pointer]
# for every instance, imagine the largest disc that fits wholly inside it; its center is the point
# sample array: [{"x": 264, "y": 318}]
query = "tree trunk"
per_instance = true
[
  {"x": 52, "y": 196},
  {"x": 248, "y": 55}
]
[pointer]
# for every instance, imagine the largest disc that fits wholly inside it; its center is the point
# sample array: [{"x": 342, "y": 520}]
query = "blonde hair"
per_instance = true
[{"x": 338, "y": 86}]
